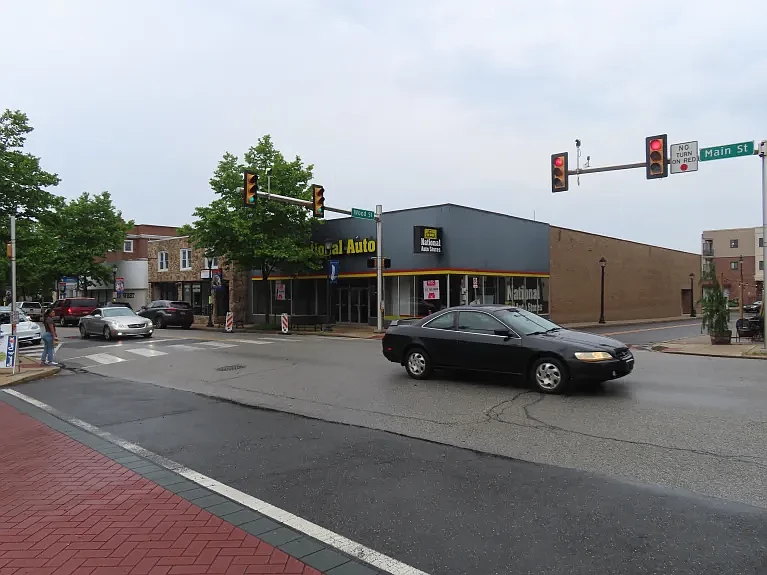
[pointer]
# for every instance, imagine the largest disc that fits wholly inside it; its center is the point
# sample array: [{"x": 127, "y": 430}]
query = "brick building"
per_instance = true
[
  {"x": 180, "y": 272},
  {"x": 737, "y": 254},
  {"x": 130, "y": 265},
  {"x": 641, "y": 281}
]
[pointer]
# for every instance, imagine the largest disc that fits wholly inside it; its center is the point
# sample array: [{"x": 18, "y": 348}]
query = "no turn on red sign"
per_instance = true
[{"x": 684, "y": 157}]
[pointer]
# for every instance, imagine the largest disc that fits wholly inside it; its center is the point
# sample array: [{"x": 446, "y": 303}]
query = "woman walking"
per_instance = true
[{"x": 49, "y": 338}]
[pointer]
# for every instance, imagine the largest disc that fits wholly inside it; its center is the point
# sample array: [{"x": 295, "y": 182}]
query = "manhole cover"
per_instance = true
[{"x": 230, "y": 368}]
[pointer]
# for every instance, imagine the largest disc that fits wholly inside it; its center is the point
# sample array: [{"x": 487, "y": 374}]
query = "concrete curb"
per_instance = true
[
  {"x": 662, "y": 349},
  {"x": 32, "y": 376}
]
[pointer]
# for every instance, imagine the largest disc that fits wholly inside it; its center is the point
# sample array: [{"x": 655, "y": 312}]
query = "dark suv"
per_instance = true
[
  {"x": 70, "y": 310},
  {"x": 164, "y": 313}
]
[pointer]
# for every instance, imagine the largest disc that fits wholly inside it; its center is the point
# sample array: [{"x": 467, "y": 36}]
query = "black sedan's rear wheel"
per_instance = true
[
  {"x": 417, "y": 363},
  {"x": 549, "y": 375}
]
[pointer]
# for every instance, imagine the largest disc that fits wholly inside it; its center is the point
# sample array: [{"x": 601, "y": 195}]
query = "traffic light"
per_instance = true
[
  {"x": 250, "y": 189},
  {"x": 386, "y": 263},
  {"x": 655, "y": 156},
  {"x": 318, "y": 201},
  {"x": 559, "y": 182}
]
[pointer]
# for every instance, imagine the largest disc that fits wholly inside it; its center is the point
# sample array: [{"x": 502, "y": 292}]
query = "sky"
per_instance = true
[{"x": 399, "y": 102}]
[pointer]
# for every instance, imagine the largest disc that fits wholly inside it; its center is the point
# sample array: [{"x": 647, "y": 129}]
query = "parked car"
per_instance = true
[
  {"x": 33, "y": 309},
  {"x": 164, "y": 313},
  {"x": 27, "y": 331},
  {"x": 114, "y": 321},
  {"x": 755, "y": 307},
  {"x": 70, "y": 310},
  {"x": 504, "y": 339}
]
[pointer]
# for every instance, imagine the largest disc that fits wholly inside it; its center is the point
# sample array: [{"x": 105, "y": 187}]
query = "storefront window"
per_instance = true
[
  {"x": 260, "y": 297},
  {"x": 527, "y": 293},
  {"x": 303, "y": 297},
  {"x": 281, "y": 296}
]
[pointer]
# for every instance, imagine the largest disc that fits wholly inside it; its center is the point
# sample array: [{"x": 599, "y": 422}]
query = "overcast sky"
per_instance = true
[{"x": 399, "y": 102}]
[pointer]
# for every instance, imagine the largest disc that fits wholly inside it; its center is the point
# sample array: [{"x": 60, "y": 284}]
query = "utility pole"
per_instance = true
[{"x": 14, "y": 312}]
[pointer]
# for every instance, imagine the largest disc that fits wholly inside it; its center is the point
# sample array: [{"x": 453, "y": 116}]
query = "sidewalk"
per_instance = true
[
  {"x": 67, "y": 508},
  {"x": 701, "y": 345},
  {"x": 28, "y": 369}
]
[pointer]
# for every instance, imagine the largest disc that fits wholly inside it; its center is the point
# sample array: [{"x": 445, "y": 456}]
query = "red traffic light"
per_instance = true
[
  {"x": 559, "y": 161},
  {"x": 656, "y": 145}
]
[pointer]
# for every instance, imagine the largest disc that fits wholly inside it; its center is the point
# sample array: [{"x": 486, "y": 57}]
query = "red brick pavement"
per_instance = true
[{"x": 66, "y": 509}]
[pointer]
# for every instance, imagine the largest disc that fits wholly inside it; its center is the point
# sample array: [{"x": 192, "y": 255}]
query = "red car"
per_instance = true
[{"x": 70, "y": 310}]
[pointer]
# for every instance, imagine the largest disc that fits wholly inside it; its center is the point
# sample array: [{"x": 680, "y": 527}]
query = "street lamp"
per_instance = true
[
  {"x": 328, "y": 247},
  {"x": 692, "y": 295},
  {"x": 114, "y": 283},
  {"x": 602, "y": 263},
  {"x": 209, "y": 259},
  {"x": 740, "y": 298}
]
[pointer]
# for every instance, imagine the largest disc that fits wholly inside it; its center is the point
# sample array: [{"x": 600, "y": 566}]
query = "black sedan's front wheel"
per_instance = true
[
  {"x": 417, "y": 363},
  {"x": 549, "y": 375}
]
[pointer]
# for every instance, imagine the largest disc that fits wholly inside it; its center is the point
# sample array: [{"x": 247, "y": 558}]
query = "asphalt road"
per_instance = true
[
  {"x": 442, "y": 509},
  {"x": 682, "y": 422}
]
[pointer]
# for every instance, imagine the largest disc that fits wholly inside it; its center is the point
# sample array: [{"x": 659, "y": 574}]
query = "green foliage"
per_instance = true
[
  {"x": 85, "y": 229},
  {"x": 715, "y": 313},
  {"x": 268, "y": 236},
  {"x": 21, "y": 178}
]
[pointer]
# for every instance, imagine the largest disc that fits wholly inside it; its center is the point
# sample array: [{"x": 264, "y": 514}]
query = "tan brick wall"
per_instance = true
[{"x": 641, "y": 281}]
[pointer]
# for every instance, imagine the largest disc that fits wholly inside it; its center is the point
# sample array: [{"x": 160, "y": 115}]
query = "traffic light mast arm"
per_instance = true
[
  {"x": 614, "y": 168},
  {"x": 296, "y": 202}
]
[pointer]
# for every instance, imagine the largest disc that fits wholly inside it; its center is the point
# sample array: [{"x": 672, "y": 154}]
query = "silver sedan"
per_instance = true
[{"x": 111, "y": 322}]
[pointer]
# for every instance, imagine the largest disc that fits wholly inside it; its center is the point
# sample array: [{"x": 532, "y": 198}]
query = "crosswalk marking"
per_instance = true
[
  {"x": 104, "y": 358},
  {"x": 218, "y": 344},
  {"x": 253, "y": 341},
  {"x": 182, "y": 347},
  {"x": 278, "y": 339},
  {"x": 146, "y": 352}
]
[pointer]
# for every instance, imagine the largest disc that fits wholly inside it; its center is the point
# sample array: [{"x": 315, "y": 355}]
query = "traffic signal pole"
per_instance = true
[
  {"x": 379, "y": 250},
  {"x": 763, "y": 155}
]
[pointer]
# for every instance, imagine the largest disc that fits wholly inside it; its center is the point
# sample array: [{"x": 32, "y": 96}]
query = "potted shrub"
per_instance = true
[{"x": 715, "y": 312}]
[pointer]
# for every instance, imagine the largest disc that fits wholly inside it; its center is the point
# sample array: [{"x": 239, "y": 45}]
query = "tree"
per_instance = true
[
  {"x": 85, "y": 229},
  {"x": 270, "y": 235},
  {"x": 35, "y": 253},
  {"x": 21, "y": 178}
]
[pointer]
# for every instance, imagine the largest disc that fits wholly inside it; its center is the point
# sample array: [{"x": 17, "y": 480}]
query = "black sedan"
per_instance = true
[
  {"x": 504, "y": 339},
  {"x": 755, "y": 307}
]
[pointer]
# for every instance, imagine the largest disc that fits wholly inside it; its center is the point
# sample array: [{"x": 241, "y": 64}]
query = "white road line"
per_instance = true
[
  {"x": 146, "y": 352},
  {"x": 104, "y": 358},
  {"x": 279, "y": 339},
  {"x": 218, "y": 344},
  {"x": 182, "y": 347},
  {"x": 253, "y": 341},
  {"x": 365, "y": 554},
  {"x": 145, "y": 341}
]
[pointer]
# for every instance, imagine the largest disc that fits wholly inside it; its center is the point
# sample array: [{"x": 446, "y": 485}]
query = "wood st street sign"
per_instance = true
[{"x": 727, "y": 151}]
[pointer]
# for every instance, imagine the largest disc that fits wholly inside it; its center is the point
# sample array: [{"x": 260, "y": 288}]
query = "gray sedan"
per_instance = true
[{"x": 112, "y": 322}]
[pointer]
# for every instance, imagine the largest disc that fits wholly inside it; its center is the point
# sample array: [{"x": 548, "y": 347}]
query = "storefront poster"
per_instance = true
[
  {"x": 431, "y": 289},
  {"x": 427, "y": 240},
  {"x": 280, "y": 291}
]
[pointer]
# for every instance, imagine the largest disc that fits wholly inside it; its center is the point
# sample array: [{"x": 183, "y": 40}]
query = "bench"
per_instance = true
[
  {"x": 749, "y": 328},
  {"x": 313, "y": 321}
]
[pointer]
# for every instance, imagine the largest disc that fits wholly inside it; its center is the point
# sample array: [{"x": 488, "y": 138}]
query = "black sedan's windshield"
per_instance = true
[{"x": 525, "y": 323}]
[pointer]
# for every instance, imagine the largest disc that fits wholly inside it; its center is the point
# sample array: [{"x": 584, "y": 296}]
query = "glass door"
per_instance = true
[
  {"x": 342, "y": 307},
  {"x": 359, "y": 310}
]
